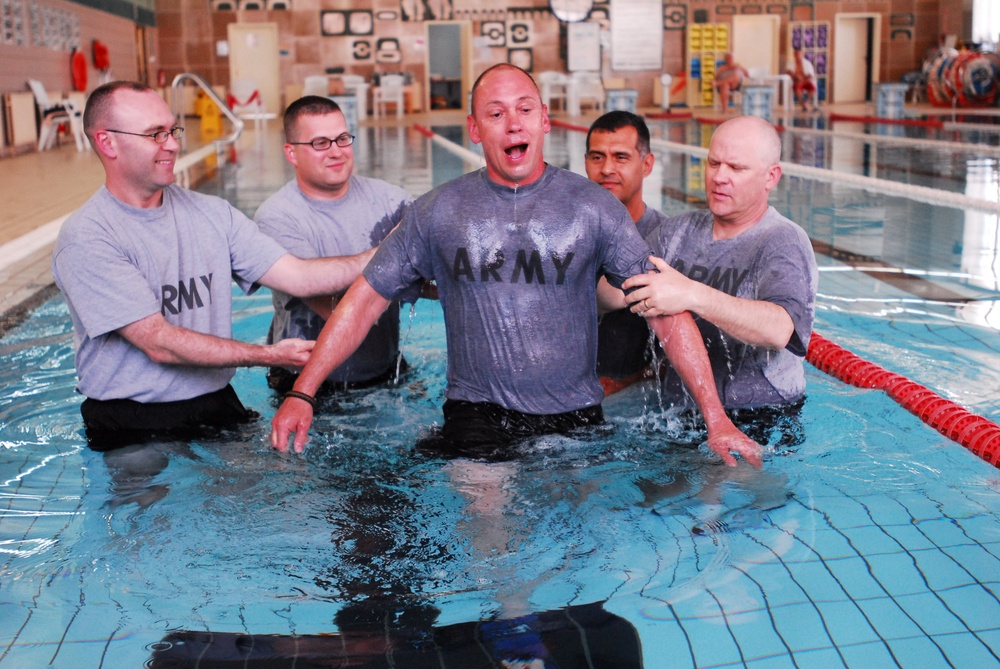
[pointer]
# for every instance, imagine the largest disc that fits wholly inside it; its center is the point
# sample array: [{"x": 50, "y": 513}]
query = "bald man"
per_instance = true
[{"x": 747, "y": 273}]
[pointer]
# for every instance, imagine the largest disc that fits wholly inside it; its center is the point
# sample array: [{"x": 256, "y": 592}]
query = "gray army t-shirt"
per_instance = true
[
  {"x": 517, "y": 272},
  {"x": 309, "y": 228},
  {"x": 773, "y": 261},
  {"x": 117, "y": 264}
]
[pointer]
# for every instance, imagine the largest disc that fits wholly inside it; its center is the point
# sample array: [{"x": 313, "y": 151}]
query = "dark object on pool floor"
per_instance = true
[{"x": 577, "y": 636}]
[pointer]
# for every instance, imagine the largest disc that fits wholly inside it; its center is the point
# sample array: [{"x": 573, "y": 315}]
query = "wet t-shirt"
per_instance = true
[
  {"x": 774, "y": 262},
  {"x": 517, "y": 273},
  {"x": 309, "y": 228},
  {"x": 623, "y": 346}
]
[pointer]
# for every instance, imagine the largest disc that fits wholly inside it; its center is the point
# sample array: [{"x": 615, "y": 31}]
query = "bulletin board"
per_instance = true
[{"x": 636, "y": 35}]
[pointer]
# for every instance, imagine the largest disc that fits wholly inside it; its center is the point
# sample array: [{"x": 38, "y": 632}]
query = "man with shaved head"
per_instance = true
[
  {"x": 747, "y": 273},
  {"x": 516, "y": 250}
]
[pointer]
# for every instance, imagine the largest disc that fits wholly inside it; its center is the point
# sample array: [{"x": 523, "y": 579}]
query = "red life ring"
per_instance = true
[{"x": 78, "y": 69}]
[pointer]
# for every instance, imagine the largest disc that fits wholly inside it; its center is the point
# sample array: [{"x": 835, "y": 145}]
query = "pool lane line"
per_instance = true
[
  {"x": 976, "y": 433},
  {"x": 914, "y": 142},
  {"x": 924, "y": 123}
]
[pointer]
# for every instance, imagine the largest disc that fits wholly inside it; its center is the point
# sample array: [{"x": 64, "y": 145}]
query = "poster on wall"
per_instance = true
[
  {"x": 636, "y": 35},
  {"x": 583, "y": 49}
]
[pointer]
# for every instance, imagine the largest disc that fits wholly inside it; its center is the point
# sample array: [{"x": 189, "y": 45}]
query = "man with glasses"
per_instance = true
[
  {"x": 327, "y": 210},
  {"x": 146, "y": 266}
]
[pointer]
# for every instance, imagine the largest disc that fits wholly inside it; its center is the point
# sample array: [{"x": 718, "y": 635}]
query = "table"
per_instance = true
[{"x": 784, "y": 81}]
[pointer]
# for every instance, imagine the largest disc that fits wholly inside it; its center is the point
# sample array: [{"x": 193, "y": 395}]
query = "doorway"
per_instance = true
[
  {"x": 253, "y": 56},
  {"x": 756, "y": 41},
  {"x": 448, "y": 64},
  {"x": 856, "y": 56}
]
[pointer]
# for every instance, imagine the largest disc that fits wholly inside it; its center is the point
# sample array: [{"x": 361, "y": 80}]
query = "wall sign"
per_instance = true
[{"x": 636, "y": 35}]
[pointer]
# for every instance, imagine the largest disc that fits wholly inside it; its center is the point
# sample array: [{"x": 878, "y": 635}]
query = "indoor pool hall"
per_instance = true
[{"x": 869, "y": 538}]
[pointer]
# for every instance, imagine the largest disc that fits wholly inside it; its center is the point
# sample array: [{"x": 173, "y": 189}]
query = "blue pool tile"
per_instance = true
[
  {"x": 844, "y": 512},
  {"x": 779, "y": 589},
  {"x": 976, "y": 605},
  {"x": 887, "y": 512},
  {"x": 941, "y": 570},
  {"x": 830, "y": 543},
  {"x": 801, "y": 627},
  {"x": 847, "y": 623},
  {"x": 888, "y": 618},
  {"x": 662, "y": 639},
  {"x": 909, "y": 537},
  {"x": 983, "y": 525},
  {"x": 868, "y": 656},
  {"x": 871, "y": 540},
  {"x": 968, "y": 650},
  {"x": 755, "y": 633},
  {"x": 931, "y": 614},
  {"x": 854, "y": 575},
  {"x": 818, "y": 581},
  {"x": 944, "y": 532},
  {"x": 918, "y": 652},
  {"x": 897, "y": 573}
]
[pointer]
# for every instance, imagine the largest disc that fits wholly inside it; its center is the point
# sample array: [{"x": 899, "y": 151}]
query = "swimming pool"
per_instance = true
[{"x": 874, "y": 542}]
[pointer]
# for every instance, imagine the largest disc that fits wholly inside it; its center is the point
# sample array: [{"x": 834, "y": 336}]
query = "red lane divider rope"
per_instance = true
[
  {"x": 976, "y": 433},
  {"x": 569, "y": 126}
]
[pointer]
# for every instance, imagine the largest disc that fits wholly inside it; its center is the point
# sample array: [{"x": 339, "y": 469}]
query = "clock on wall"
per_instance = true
[{"x": 571, "y": 10}]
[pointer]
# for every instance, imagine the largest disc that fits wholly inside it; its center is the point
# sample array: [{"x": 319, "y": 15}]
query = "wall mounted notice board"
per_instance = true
[{"x": 636, "y": 35}]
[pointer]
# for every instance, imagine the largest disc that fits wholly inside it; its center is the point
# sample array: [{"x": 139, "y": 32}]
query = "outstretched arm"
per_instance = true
[
  {"x": 668, "y": 292},
  {"x": 346, "y": 328},
  {"x": 169, "y": 344},
  {"x": 685, "y": 350},
  {"x": 315, "y": 276}
]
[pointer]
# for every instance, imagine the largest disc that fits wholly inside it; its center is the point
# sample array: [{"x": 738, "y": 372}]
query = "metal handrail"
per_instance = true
[{"x": 175, "y": 88}]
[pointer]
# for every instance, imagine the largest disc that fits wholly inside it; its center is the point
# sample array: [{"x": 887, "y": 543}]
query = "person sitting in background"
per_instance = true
[
  {"x": 803, "y": 80},
  {"x": 728, "y": 79}
]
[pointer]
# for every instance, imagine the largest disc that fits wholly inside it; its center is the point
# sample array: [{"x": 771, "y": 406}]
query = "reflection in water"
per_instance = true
[{"x": 574, "y": 636}]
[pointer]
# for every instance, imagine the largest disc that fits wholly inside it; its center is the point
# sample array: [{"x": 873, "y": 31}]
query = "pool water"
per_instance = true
[{"x": 874, "y": 542}]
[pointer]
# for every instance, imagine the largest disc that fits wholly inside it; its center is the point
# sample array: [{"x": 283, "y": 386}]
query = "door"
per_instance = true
[
  {"x": 253, "y": 55},
  {"x": 756, "y": 42},
  {"x": 448, "y": 64},
  {"x": 855, "y": 56}
]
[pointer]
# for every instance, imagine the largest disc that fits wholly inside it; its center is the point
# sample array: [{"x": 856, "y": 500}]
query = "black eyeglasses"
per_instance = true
[
  {"x": 159, "y": 137},
  {"x": 324, "y": 143}
]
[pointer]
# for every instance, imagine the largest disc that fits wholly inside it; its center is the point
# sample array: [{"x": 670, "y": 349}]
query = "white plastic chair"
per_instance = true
[
  {"x": 589, "y": 88},
  {"x": 316, "y": 85},
  {"x": 53, "y": 114},
  {"x": 552, "y": 86},
  {"x": 388, "y": 91}
]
